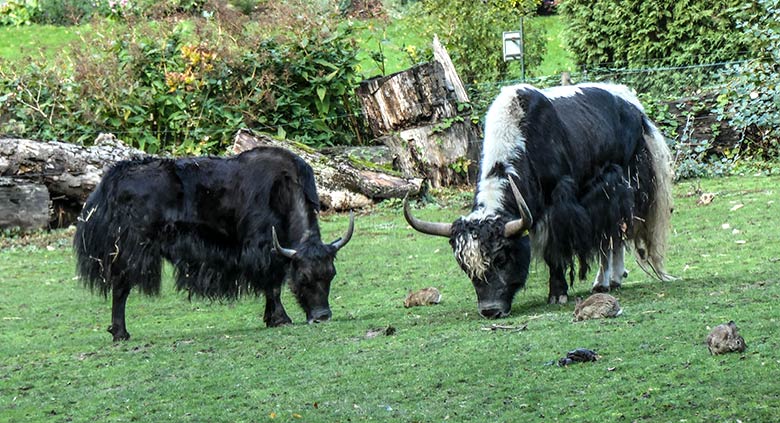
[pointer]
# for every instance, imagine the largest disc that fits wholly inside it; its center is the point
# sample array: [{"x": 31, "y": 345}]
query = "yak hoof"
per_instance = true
[
  {"x": 599, "y": 288},
  {"x": 120, "y": 334},
  {"x": 285, "y": 320},
  {"x": 560, "y": 299}
]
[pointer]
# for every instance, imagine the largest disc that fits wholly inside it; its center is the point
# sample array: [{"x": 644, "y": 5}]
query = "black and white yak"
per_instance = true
[
  {"x": 579, "y": 170},
  {"x": 221, "y": 223}
]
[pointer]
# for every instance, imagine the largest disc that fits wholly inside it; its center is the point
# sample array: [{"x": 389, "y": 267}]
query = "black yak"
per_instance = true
[
  {"x": 572, "y": 173},
  {"x": 221, "y": 223}
]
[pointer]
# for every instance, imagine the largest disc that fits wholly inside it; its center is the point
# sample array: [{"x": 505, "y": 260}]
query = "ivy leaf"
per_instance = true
[{"x": 321, "y": 91}]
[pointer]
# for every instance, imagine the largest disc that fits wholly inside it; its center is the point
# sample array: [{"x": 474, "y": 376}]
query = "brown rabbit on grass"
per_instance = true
[
  {"x": 596, "y": 306},
  {"x": 725, "y": 338},
  {"x": 425, "y": 296}
]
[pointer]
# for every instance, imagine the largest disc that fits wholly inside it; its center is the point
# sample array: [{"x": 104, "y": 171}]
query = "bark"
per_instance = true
[
  {"x": 23, "y": 205},
  {"x": 414, "y": 97},
  {"x": 451, "y": 77},
  {"x": 443, "y": 155}
]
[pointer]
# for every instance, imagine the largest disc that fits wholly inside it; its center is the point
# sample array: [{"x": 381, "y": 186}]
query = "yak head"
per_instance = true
[
  {"x": 493, "y": 250},
  {"x": 312, "y": 270}
]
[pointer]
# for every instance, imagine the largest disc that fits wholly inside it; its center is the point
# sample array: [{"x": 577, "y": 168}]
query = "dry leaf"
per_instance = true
[
  {"x": 725, "y": 226},
  {"x": 741, "y": 241},
  {"x": 706, "y": 198},
  {"x": 387, "y": 331},
  {"x": 737, "y": 207},
  {"x": 506, "y": 327}
]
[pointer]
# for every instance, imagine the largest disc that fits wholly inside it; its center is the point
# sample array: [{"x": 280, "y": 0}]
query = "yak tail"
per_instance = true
[
  {"x": 91, "y": 264},
  {"x": 651, "y": 240},
  {"x": 109, "y": 255}
]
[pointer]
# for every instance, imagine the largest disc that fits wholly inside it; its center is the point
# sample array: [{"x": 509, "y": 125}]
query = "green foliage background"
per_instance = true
[
  {"x": 636, "y": 33},
  {"x": 750, "y": 98},
  {"x": 185, "y": 86},
  {"x": 473, "y": 34},
  {"x": 180, "y": 76}
]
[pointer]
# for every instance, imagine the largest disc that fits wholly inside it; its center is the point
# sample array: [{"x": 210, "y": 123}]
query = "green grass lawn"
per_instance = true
[
  {"x": 210, "y": 361},
  {"x": 558, "y": 58},
  {"x": 20, "y": 42}
]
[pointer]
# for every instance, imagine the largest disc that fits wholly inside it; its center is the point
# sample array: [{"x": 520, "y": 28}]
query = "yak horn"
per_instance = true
[
  {"x": 287, "y": 252},
  {"x": 430, "y": 228},
  {"x": 514, "y": 226},
  {"x": 345, "y": 239}
]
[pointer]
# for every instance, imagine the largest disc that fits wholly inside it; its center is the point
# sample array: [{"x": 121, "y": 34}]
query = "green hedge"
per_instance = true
[{"x": 640, "y": 34}]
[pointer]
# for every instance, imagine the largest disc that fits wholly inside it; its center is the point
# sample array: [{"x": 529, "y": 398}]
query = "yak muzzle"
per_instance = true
[
  {"x": 319, "y": 316},
  {"x": 493, "y": 310}
]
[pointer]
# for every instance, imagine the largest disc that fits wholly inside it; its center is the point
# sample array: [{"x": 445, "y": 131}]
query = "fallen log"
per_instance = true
[
  {"x": 66, "y": 169},
  {"x": 23, "y": 205},
  {"x": 46, "y": 183},
  {"x": 341, "y": 184},
  {"x": 68, "y": 172}
]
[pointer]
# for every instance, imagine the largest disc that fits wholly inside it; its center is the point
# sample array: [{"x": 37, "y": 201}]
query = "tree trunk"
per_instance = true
[
  {"x": 443, "y": 155},
  {"x": 451, "y": 77},
  {"x": 414, "y": 97}
]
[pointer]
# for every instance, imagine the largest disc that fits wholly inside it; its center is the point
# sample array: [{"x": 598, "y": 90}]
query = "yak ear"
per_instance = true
[{"x": 306, "y": 178}]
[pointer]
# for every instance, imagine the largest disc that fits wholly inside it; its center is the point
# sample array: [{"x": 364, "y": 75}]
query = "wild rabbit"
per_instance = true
[
  {"x": 725, "y": 338},
  {"x": 425, "y": 296},
  {"x": 596, "y": 306}
]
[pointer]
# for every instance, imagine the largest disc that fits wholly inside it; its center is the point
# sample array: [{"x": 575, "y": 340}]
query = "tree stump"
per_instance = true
[{"x": 418, "y": 113}]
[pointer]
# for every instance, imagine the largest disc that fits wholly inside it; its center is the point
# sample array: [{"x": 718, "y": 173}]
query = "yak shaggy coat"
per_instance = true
[{"x": 214, "y": 220}]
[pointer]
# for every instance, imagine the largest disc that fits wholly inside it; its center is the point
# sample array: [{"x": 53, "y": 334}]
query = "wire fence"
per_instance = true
[{"x": 665, "y": 82}]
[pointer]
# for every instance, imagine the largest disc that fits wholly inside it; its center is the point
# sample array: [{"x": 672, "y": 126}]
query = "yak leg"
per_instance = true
[
  {"x": 275, "y": 315},
  {"x": 612, "y": 269},
  {"x": 619, "y": 272},
  {"x": 118, "y": 328},
  {"x": 601, "y": 284},
  {"x": 558, "y": 286}
]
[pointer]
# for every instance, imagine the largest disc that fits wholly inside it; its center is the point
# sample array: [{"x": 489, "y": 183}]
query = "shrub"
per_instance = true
[
  {"x": 689, "y": 38},
  {"x": 18, "y": 12},
  {"x": 750, "y": 98},
  {"x": 638, "y": 33},
  {"x": 60, "y": 12},
  {"x": 472, "y": 34}
]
